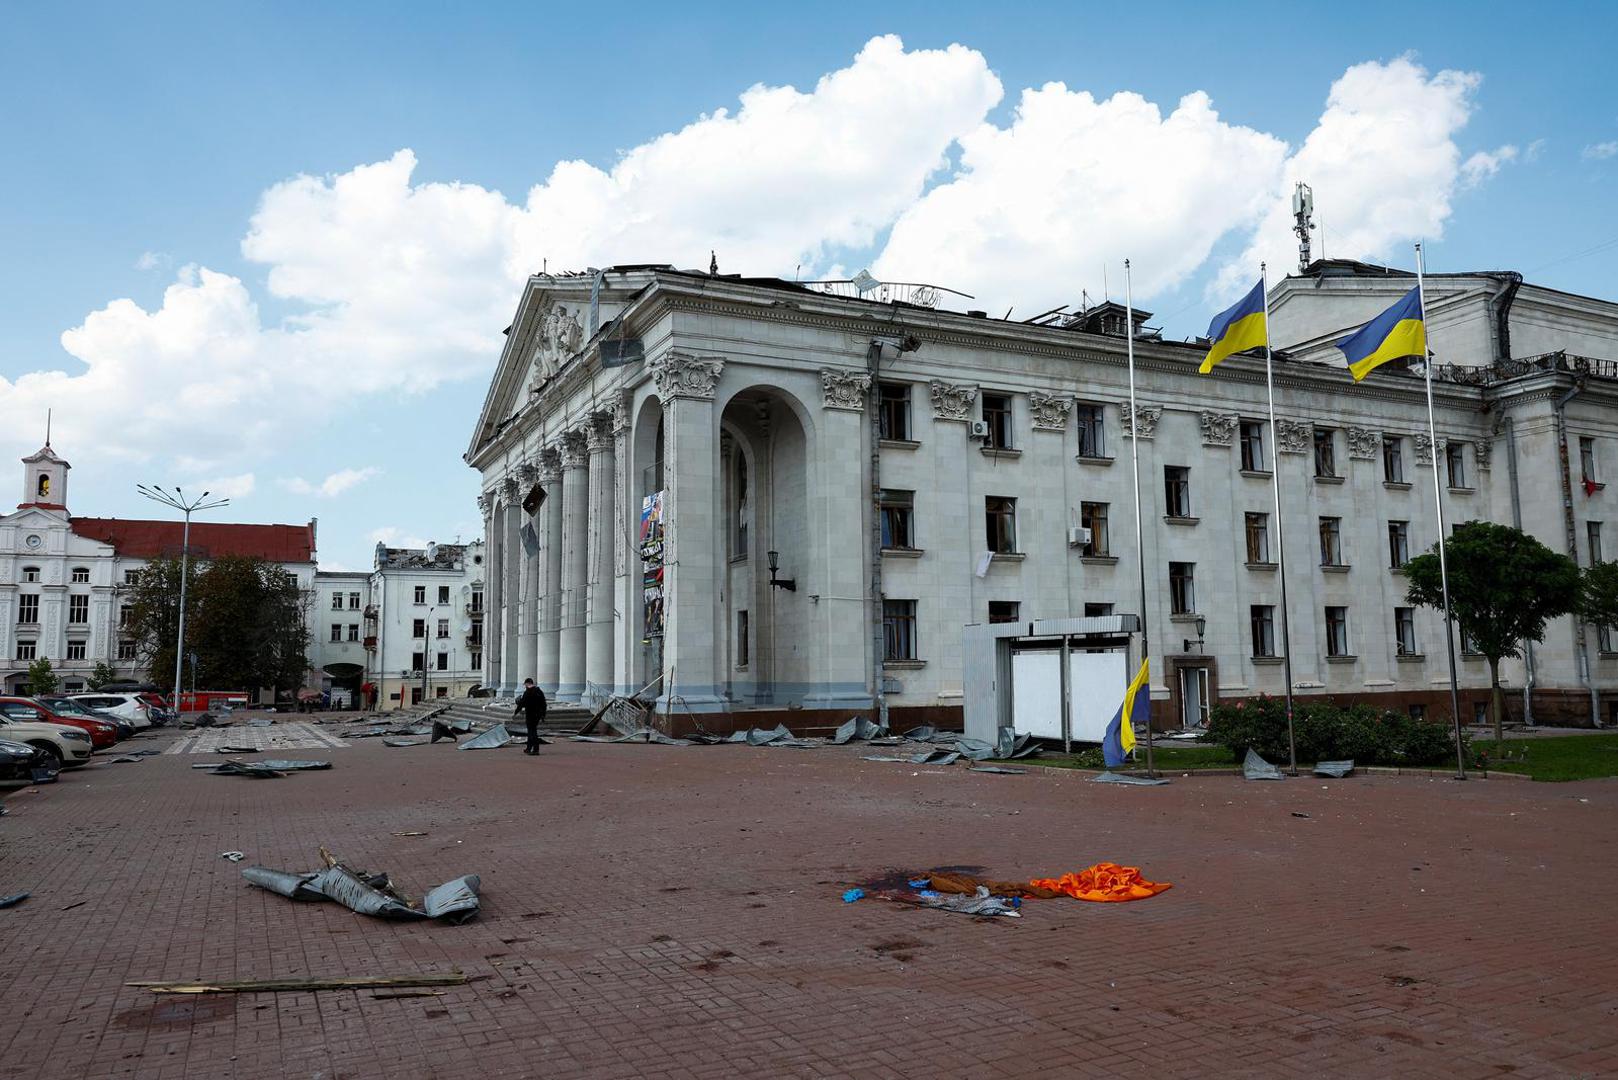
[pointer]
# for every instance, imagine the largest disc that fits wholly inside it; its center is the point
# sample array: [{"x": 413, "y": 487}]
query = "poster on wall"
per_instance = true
[{"x": 652, "y": 537}]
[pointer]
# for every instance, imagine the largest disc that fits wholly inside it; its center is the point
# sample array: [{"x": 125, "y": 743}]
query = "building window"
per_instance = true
[
  {"x": 443, "y": 594},
  {"x": 418, "y": 628},
  {"x": 1418, "y": 712},
  {"x": 443, "y": 628},
  {"x": 1093, "y": 516},
  {"x": 477, "y": 601},
  {"x": 1182, "y": 588},
  {"x": 997, "y": 413},
  {"x": 30, "y": 573},
  {"x": 1337, "y": 631},
  {"x": 1258, "y": 538},
  {"x": 1252, "y": 442},
  {"x": 1587, "y": 461},
  {"x": 1000, "y": 524},
  {"x": 27, "y": 608},
  {"x": 739, "y": 510},
  {"x": 1262, "y": 619},
  {"x": 25, "y": 650},
  {"x": 131, "y": 577},
  {"x": 1004, "y": 611},
  {"x": 896, "y": 507},
  {"x": 743, "y": 653},
  {"x": 440, "y": 691},
  {"x": 421, "y": 594},
  {"x": 353, "y": 601},
  {"x": 1331, "y": 541},
  {"x": 1393, "y": 459},
  {"x": 126, "y": 650},
  {"x": 1177, "y": 491},
  {"x": 337, "y": 631},
  {"x": 1097, "y": 611},
  {"x": 475, "y": 661},
  {"x": 417, "y": 660},
  {"x": 1092, "y": 430},
  {"x": 1398, "y": 543},
  {"x": 893, "y": 410},
  {"x": 415, "y": 695},
  {"x": 899, "y": 629},
  {"x": 443, "y": 661},
  {"x": 81, "y": 575},
  {"x": 337, "y": 601},
  {"x": 125, "y": 613},
  {"x": 1604, "y": 639},
  {"x": 76, "y": 650},
  {"x": 1404, "y": 630},
  {"x": 1468, "y": 646},
  {"x": 1592, "y": 535},
  {"x": 1455, "y": 463},
  {"x": 1325, "y": 453},
  {"x": 78, "y": 610},
  {"x": 353, "y": 631}
]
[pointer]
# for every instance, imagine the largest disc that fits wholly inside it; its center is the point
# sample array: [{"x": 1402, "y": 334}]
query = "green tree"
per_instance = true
[
  {"x": 41, "y": 678},
  {"x": 1504, "y": 586},
  {"x": 1598, "y": 601},
  {"x": 154, "y": 613},
  {"x": 101, "y": 676}
]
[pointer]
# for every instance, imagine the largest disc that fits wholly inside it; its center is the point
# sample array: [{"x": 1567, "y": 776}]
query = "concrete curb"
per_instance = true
[{"x": 1380, "y": 770}]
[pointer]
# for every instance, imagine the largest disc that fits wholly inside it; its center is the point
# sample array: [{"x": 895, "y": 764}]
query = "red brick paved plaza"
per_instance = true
[{"x": 674, "y": 912}]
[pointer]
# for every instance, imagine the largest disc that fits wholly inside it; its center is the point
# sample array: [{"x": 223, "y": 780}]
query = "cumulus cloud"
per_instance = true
[
  {"x": 1535, "y": 149},
  {"x": 395, "y": 537},
  {"x": 1484, "y": 164},
  {"x": 1383, "y": 165},
  {"x": 1600, "y": 151},
  {"x": 334, "y": 485},
  {"x": 153, "y": 260},
  {"x": 226, "y": 487}
]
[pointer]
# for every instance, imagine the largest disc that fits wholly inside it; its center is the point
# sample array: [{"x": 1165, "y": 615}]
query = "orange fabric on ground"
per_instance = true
[{"x": 1104, "y": 883}]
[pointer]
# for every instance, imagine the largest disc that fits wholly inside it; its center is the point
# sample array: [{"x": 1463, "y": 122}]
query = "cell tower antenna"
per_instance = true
[{"x": 1303, "y": 215}]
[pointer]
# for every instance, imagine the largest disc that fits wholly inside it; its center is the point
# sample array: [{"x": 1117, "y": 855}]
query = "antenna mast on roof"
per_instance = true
[
  {"x": 47, "y": 429},
  {"x": 1303, "y": 211}
]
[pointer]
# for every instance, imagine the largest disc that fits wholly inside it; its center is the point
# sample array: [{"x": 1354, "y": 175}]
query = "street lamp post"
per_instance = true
[
  {"x": 426, "y": 643},
  {"x": 186, "y": 505}
]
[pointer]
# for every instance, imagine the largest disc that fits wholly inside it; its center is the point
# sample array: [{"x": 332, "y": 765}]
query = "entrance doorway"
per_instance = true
[{"x": 1194, "y": 702}]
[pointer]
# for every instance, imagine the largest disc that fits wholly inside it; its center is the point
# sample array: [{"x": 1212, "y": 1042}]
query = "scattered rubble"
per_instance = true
[{"x": 454, "y": 901}]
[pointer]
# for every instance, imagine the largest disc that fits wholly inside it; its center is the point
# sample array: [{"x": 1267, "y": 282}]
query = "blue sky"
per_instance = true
[{"x": 140, "y": 140}]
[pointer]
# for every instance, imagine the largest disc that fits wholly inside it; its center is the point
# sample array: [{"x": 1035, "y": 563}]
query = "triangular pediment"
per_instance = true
[{"x": 33, "y": 517}]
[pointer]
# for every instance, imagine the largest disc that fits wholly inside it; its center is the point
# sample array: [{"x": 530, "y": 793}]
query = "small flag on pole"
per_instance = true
[
  {"x": 1120, "y": 737},
  {"x": 1398, "y": 331},
  {"x": 1237, "y": 329}
]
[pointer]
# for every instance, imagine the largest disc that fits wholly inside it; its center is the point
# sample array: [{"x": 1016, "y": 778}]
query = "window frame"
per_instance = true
[
  {"x": 27, "y": 603},
  {"x": 1455, "y": 466},
  {"x": 1092, "y": 429},
  {"x": 128, "y": 650},
  {"x": 78, "y": 609},
  {"x": 79, "y": 575},
  {"x": 1398, "y": 543},
  {"x": 744, "y": 652},
  {"x": 900, "y": 637},
  {"x": 1097, "y": 516},
  {"x": 1592, "y": 541},
  {"x": 1000, "y": 524},
  {"x": 1393, "y": 459},
  {"x": 1015, "y": 612},
  {"x": 1182, "y": 588},
  {"x": 1325, "y": 453},
  {"x": 1404, "y": 625},
  {"x": 893, "y": 404},
  {"x": 31, "y": 646},
  {"x": 896, "y": 513},
  {"x": 1261, "y": 630},
  {"x": 1337, "y": 644},
  {"x": 1589, "y": 465},
  {"x": 336, "y": 633},
  {"x": 1250, "y": 438},
  {"x": 337, "y": 601},
  {"x": 1001, "y": 421},
  {"x": 1331, "y": 541},
  {"x": 1177, "y": 491},
  {"x": 418, "y": 629},
  {"x": 419, "y": 593},
  {"x": 1259, "y": 554}
]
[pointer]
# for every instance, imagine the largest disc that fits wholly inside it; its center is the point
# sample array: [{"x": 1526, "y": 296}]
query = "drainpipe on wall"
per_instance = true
[
  {"x": 1510, "y": 424},
  {"x": 1581, "y": 660}
]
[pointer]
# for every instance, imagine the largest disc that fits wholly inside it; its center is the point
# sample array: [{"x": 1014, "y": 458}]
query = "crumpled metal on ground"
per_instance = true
[
  {"x": 857, "y": 727},
  {"x": 493, "y": 739},
  {"x": 1132, "y": 781},
  {"x": 1334, "y": 769},
  {"x": 284, "y": 882},
  {"x": 454, "y": 901},
  {"x": 281, "y": 765},
  {"x": 404, "y": 741},
  {"x": 1256, "y": 768},
  {"x": 245, "y": 768}
]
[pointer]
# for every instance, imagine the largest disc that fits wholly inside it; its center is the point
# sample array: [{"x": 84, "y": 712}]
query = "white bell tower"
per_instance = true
[{"x": 44, "y": 478}]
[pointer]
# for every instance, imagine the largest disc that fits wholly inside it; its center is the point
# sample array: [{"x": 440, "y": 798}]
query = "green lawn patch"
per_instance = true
[
  {"x": 1173, "y": 757},
  {"x": 1558, "y": 758}
]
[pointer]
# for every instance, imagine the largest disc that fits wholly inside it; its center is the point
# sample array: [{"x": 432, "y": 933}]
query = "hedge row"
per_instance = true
[{"x": 1327, "y": 731}]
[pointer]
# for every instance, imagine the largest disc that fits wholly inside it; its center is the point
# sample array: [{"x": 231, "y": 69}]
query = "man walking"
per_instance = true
[{"x": 532, "y": 705}]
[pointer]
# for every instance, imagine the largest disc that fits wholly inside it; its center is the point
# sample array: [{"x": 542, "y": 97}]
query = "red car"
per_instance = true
[{"x": 102, "y": 734}]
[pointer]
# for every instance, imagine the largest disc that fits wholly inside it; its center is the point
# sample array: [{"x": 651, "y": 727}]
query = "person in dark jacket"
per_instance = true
[{"x": 532, "y": 707}]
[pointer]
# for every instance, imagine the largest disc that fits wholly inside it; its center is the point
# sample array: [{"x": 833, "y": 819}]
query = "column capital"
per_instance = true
[
  {"x": 508, "y": 487},
  {"x": 681, "y": 375},
  {"x": 842, "y": 388},
  {"x": 575, "y": 451},
  {"x": 598, "y": 432},
  {"x": 620, "y": 411},
  {"x": 485, "y": 502},
  {"x": 527, "y": 472},
  {"x": 550, "y": 465}
]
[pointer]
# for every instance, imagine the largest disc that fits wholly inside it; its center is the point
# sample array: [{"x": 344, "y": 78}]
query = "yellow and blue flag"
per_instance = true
[
  {"x": 1120, "y": 737},
  {"x": 1399, "y": 331},
  {"x": 1237, "y": 329}
]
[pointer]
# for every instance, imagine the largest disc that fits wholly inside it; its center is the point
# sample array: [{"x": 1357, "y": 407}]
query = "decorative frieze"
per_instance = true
[
  {"x": 1218, "y": 429},
  {"x": 843, "y": 389},
  {"x": 1049, "y": 411},
  {"x": 1146, "y": 420},
  {"x": 1484, "y": 449},
  {"x": 1424, "y": 449},
  {"x": 1294, "y": 437},
  {"x": 1363, "y": 443},
  {"x": 575, "y": 450},
  {"x": 953, "y": 401},
  {"x": 680, "y": 375}
]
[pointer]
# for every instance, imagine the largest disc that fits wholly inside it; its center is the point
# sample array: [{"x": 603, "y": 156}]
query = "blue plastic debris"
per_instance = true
[
  {"x": 920, "y": 883},
  {"x": 852, "y": 895}
]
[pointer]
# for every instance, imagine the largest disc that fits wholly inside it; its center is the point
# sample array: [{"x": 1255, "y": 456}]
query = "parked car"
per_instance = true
[
  {"x": 158, "y": 709},
  {"x": 66, "y": 706},
  {"x": 125, "y": 705},
  {"x": 23, "y": 721},
  {"x": 17, "y": 762},
  {"x": 103, "y": 733}
]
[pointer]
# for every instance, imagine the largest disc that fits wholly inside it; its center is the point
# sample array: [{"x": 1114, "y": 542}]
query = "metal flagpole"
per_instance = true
[
  {"x": 1140, "y": 535},
  {"x": 1280, "y": 528},
  {"x": 1438, "y": 502}
]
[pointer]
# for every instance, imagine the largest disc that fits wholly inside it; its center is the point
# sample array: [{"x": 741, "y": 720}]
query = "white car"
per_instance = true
[
  {"x": 124, "y": 706},
  {"x": 68, "y": 747}
]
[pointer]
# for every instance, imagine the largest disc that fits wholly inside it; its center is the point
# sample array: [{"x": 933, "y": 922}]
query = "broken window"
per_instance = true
[
  {"x": 899, "y": 629},
  {"x": 893, "y": 405},
  {"x": 1000, "y": 524},
  {"x": 896, "y": 507}
]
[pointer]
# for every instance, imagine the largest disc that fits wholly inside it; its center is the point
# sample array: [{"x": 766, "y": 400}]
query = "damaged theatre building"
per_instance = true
[{"x": 742, "y": 495}]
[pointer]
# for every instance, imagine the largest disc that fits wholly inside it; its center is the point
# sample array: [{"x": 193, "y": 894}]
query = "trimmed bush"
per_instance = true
[{"x": 1327, "y": 731}]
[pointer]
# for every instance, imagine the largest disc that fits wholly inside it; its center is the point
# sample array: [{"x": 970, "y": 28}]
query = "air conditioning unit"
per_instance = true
[
  {"x": 1078, "y": 536},
  {"x": 979, "y": 429}
]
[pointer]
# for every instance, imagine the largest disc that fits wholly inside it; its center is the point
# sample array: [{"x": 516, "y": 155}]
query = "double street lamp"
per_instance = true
[{"x": 187, "y": 505}]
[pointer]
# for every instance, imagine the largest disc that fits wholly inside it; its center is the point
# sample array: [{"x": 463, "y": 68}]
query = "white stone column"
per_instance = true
[
  {"x": 511, "y": 587},
  {"x": 549, "y": 525},
  {"x": 598, "y": 596},
  {"x": 691, "y": 654},
  {"x": 840, "y": 521},
  {"x": 493, "y": 592},
  {"x": 625, "y": 552},
  {"x": 528, "y": 561},
  {"x": 575, "y": 551}
]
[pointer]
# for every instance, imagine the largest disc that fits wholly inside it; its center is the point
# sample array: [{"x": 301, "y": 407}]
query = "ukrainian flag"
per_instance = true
[
  {"x": 1120, "y": 737},
  {"x": 1237, "y": 329},
  {"x": 1398, "y": 331}
]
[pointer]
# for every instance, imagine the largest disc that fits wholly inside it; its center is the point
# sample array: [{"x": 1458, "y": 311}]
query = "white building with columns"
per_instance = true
[{"x": 745, "y": 494}]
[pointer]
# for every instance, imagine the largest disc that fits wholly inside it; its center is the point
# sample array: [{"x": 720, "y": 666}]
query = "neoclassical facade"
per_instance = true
[{"x": 741, "y": 494}]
